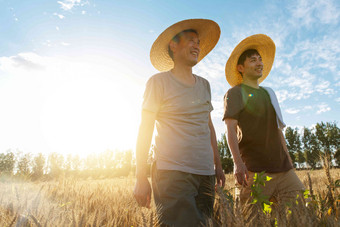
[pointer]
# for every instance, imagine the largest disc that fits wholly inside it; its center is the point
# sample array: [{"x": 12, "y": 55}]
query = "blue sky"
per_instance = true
[{"x": 72, "y": 72}]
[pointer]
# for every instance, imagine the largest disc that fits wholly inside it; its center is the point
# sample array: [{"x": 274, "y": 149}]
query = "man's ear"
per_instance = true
[
  {"x": 240, "y": 68},
  {"x": 173, "y": 46}
]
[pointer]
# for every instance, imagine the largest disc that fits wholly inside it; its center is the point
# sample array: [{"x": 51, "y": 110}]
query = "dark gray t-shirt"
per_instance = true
[
  {"x": 182, "y": 139},
  {"x": 261, "y": 147}
]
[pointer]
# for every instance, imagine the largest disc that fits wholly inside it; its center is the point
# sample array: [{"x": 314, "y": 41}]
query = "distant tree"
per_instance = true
[
  {"x": 68, "y": 163},
  {"x": 24, "y": 165},
  {"x": 337, "y": 157},
  {"x": 92, "y": 162},
  {"x": 107, "y": 159},
  {"x": 328, "y": 135},
  {"x": 56, "y": 163},
  {"x": 7, "y": 162},
  {"x": 225, "y": 154},
  {"x": 310, "y": 148},
  {"x": 76, "y": 162},
  {"x": 38, "y": 165},
  {"x": 292, "y": 138},
  {"x": 297, "y": 146},
  {"x": 299, "y": 157},
  {"x": 127, "y": 162}
]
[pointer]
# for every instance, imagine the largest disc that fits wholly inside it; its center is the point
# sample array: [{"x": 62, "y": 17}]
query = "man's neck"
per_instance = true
[
  {"x": 251, "y": 83},
  {"x": 184, "y": 74}
]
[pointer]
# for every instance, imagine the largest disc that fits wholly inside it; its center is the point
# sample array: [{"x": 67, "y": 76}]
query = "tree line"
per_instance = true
[
  {"x": 306, "y": 148},
  {"x": 16, "y": 164}
]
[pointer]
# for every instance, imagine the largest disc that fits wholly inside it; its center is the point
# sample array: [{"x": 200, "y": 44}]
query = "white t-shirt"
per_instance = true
[{"x": 182, "y": 140}]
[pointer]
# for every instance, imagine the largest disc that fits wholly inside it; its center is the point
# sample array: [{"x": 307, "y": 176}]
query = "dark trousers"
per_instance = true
[{"x": 182, "y": 199}]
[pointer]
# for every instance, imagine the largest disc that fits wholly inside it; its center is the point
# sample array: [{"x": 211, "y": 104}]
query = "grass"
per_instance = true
[{"x": 109, "y": 202}]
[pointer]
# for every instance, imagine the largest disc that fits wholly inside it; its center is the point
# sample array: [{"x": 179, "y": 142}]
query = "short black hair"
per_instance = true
[
  {"x": 176, "y": 40},
  {"x": 248, "y": 53}
]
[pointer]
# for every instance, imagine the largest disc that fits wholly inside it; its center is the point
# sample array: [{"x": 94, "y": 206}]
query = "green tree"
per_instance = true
[
  {"x": 56, "y": 163},
  {"x": 225, "y": 154},
  {"x": 328, "y": 135},
  {"x": 38, "y": 166},
  {"x": 7, "y": 162},
  {"x": 76, "y": 163},
  {"x": 310, "y": 148},
  {"x": 92, "y": 162},
  {"x": 107, "y": 159},
  {"x": 337, "y": 157},
  {"x": 68, "y": 163},
  {"x": 293, "y": 144},
  {"x": 24, "y": 165},
  {"x": 299, "y": 157},
  {"x": 126, "y": 163}
]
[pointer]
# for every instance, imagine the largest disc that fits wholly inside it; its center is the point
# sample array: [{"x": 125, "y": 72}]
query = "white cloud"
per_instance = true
[
  {"x": 301, "y": 85},
  {"x": 47, "y": 43},
  {"x": 69, "y": 4},
  {"x": 307, "y": 12},
  {"x": 337, "y": 99},
  {"x": 317, "y": 53},
  {"x": 337, "y": 84},
  {"x": 323, "y": 87},
  {"x": 65, "y": 44},
  {"x": 299, "y": 109},
  {"x": 323, "y": 108},
  {"x": 282, "y": 95},
  {"x": 292, "y": 111},
  {"x": 218, "y": 109},
  {"x": 59, "y": 15},
  {"x": 21, "y": 62},
  {"x": 83, "y": 12}
]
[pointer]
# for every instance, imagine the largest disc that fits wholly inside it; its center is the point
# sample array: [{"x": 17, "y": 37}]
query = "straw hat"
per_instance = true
[
  {"x": 208, "y": 32},
  {"x": 266, "y": 48}
]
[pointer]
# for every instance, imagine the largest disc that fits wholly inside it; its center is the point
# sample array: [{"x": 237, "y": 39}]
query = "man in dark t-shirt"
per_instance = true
[{"x": 254, "y": 123}]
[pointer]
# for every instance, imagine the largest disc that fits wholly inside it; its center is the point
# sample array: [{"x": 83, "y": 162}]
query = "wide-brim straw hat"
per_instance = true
[
  {"x": 260, "y": 42},
  {"x": 208, "y": 33}
]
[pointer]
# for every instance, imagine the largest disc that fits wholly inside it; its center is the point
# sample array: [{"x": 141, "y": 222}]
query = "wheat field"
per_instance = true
[{"x": 109, "y": 202}]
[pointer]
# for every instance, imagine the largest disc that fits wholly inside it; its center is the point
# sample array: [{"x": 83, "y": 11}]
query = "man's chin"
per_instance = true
[{"x": 193, "y": 63}]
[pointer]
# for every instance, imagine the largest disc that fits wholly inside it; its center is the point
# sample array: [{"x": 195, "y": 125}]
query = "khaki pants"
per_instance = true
[
  {"x": 182, "y": 199},
  {"x": 283, "y": 187}
]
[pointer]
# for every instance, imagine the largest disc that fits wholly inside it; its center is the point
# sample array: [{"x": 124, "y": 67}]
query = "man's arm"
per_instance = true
[
  {"x": 240, "y": 169},
  {"x": 220, "y": 177},
  {"x": 142, "y": 190}
]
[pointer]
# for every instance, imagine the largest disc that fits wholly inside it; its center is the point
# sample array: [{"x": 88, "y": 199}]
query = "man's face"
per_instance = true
[
  {"x": 252, "y": 67},
  {"x": 187, "y": 49}
]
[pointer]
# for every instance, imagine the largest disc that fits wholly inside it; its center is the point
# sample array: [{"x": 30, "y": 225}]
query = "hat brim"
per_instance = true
[
  {"x": 208, "y": 33},
  {"x": 260, "y": 42}
]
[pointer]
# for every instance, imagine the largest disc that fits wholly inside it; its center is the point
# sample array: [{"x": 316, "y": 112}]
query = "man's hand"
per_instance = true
[
  {"x": 142, "y": 192},
  {"x": 220, "y": 177},
  {"x": 241, "y": 173}
]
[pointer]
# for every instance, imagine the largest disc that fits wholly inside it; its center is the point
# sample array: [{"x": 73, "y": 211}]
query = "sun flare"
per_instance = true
[{"x": 87, "y": 114}]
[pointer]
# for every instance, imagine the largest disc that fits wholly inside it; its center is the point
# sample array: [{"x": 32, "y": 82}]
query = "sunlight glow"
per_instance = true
[{"x": 78, "y": 107}]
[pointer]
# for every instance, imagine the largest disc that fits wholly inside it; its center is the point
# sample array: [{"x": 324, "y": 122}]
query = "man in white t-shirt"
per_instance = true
[{"x": 179, "y": 103}]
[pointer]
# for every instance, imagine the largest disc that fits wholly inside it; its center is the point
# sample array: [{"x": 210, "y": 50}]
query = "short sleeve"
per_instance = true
[
  {"x": 211, "y": 108},
  {"x": 152, "y": 95},
  {"x": 233, "y": 104}
]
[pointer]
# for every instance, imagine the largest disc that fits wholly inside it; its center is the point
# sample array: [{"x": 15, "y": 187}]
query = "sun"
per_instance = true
[{"x": 90, "y": 114}]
